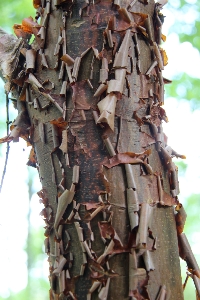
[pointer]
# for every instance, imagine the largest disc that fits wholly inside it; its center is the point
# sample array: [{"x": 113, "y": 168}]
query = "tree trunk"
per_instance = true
[{"x": 109, "y": 184}]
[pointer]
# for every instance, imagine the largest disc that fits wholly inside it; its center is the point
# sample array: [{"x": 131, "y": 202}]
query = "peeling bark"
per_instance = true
[{"x": 109, "y": 183}]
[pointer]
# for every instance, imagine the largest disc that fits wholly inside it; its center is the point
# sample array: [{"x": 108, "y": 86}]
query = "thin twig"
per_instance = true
[
  {"x": 184, "y": 285},
  {"x": 8, "y": 147},
  {"x": 119, "y": 132},
  {"x": 13, "y": 99}
]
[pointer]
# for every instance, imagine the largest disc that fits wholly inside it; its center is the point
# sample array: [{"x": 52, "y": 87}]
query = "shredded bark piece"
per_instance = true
[
  {"x": 180, "y": 218},
  {"x": 126, "y": 158},
  {"x": 186, "y": 253},
  {"x": 107, "y": 110},
  {"x": 63, "y": 201}
]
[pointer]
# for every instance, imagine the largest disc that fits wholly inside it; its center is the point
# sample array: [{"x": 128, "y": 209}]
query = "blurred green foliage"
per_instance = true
[
  {"x": 191, "y": 229},
  {"x": 185, "y": 87},
  {"x": 188, "y": 25},
  {"x": 182, "y": 167},
  {"x": 13, "y": 12},
  {"x": 37, "y": 290},
  {"x": 191, "y": 206}
]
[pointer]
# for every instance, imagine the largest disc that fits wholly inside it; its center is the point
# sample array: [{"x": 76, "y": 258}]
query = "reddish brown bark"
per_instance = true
[{"x": 93, "y": 92}]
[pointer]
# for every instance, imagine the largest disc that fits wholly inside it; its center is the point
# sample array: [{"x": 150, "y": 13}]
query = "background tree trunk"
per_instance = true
[{"x": 125, "y": 174}]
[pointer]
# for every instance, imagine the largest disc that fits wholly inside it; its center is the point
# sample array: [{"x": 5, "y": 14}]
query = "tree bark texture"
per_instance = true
[{"x": 94, "y": 97}]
